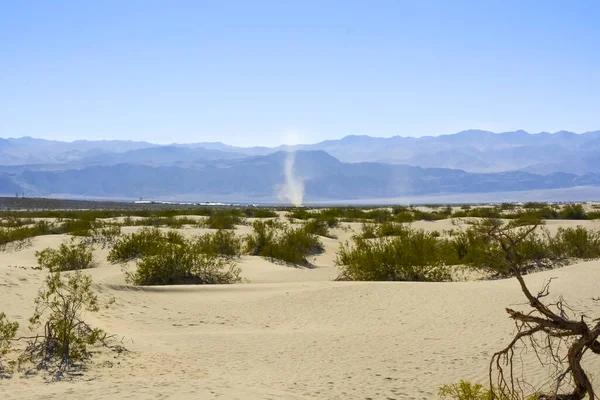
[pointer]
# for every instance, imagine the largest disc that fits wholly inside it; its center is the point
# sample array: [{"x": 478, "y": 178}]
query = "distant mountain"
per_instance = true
[
  {"x": 472, "y": 151},
  {"x": 353, "y": 167},
  {"x": 324, "y": 177}
]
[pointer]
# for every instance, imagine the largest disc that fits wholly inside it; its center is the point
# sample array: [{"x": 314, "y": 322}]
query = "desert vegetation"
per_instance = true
[
  {"x": 68, "y": 257},
  {"x": 280, "y": 242},
  {"x": 146, "y": 242}
]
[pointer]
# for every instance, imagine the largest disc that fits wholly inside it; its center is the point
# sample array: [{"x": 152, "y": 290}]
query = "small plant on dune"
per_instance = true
[
  {"x": 147, "y": 241},
  {"x": 60, "y": 305},
  {"x": 279, "y": 242},
  {"x": 223, "y": 242},
  {"x": 8, "y": 331},
  {"x": 411, "y": 256},
  {"x": 465, "y": 390},
  {"x": 185, "y": 263},
  {"x": 68, "y": 257},
  {"x": 223, "y": 219}
]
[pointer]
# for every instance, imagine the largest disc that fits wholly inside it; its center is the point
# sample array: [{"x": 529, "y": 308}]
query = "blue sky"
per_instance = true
[{"x": 262, "y": 72}]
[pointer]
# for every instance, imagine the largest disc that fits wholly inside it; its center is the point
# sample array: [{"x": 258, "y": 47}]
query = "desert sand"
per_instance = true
[{"x": 288, "y": 333}]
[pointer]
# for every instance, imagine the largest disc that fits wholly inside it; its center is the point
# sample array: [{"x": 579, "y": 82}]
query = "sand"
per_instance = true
[{"x": 288, "y": 333}]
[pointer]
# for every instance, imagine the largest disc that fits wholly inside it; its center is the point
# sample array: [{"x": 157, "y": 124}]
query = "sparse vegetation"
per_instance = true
[
  {"x": 183, "y": 263},
  {"x": 222, "y": 220},
  {"x": 280, "y": 242},
  {"x": 60, "y": 305},
  {"x": 146, "y": 242},
  {"x": 8, "y": 331},
  {"x": 411, "y": 255},
  {"x": 223, "y": 242},
  {"x": 68, "y": 257}
]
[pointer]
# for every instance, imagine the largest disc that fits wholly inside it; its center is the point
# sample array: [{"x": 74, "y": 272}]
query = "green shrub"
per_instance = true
[
  {"x": 170, "y": 221},
  {"x": 8, "y": 331},
  {"x": 66, "y": 335},
  {"x": 300, "y": 213},
  {"x": 66, "y": 258},
  {"x": 259, "y": 213},
  {"x": 369, "y": 231},
  {"x": 573, "y": 211},
  {"x": 465, "y": 390},
  {"x": 104, "y": 236},
  {"x": 223, "y": 242},
  {"x": 413, "y": 255},
  {"x": 223, "y": 219},
  {"x": 147, "y": 241},
  {"x": 575, "y": 242},
  {"x": 178, "y": 264},
  {"x": 317, "y": 227},
  {"x": 390, "y": 229},
  {"x": 15, "y": 222},
  {"x": 276, "y": 241}
]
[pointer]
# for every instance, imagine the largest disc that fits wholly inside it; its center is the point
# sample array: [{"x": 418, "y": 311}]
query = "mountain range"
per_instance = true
[{"x": 353, "y": 167}]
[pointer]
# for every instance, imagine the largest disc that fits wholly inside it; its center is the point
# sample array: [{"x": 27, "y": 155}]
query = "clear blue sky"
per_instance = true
[{"x": 255, "y": 72}]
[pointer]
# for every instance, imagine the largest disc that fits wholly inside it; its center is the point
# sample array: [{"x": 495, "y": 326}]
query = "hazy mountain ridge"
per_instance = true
[
  {"x": 325, "y": 177},
  {"x": 472, "y": 151},
  {"x": 353, "y": 167}
]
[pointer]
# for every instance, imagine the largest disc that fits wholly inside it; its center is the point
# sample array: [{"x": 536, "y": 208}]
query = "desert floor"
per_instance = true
[{"x": 288, "y": 333}]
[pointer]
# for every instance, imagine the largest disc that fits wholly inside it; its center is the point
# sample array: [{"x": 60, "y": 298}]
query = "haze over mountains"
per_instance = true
[{"x": 353, "y": 167}]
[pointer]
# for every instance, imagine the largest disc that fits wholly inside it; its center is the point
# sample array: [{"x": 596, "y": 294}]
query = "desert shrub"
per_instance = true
[
  {"x": 104, "y": 236},
  {"x": 390, "y": 229},
  {"x": 8, "y": 331},
  {"x": 183, "y": 264},
  {"x": 223, "y": 219},
  {"x": 15, "y": 222},
  {"x": 368, "y": 231},
  {"x": 593, "y": 215},
  {"x": 378, "y": 215},
  {"x": 404, "y": 216},
  {"x": 276, "y": 241},
  {"x": 147, "y": 241},
  {"x": 419, "y": 215},
  {"x": 223, "y": 242},
  {"x": 410, "y": 256},
  {"x": 170, "y": 221},
  {"x": 59, "y": 308},
  {"x": 66, "y": 258},
  {"x": 573, "y": 211},
  {"x": 259, "y": 213},
  {"x": 575, "y": 242},
  {"x": 465, "y": 390},
  {"x": 300, "y": 213},
  {"x": 317, "y": 227},
  {"x": 79, "y": 227},
  {"x": 399, "y": 209}
]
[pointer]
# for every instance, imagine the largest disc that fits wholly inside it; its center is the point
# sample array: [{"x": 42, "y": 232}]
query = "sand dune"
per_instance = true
[{"x": 288, "y": 333}]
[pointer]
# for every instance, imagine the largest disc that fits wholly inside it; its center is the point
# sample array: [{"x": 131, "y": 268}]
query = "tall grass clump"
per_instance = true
[
  {"x": 280, "y": 242},
  {"x": 412, "y": 255},
  {"x": 176, "y": 264},
  {"x": 147, "y": 241},
  {"x": 223, "y": 242},
  {"x": 68, "y": 257}
]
